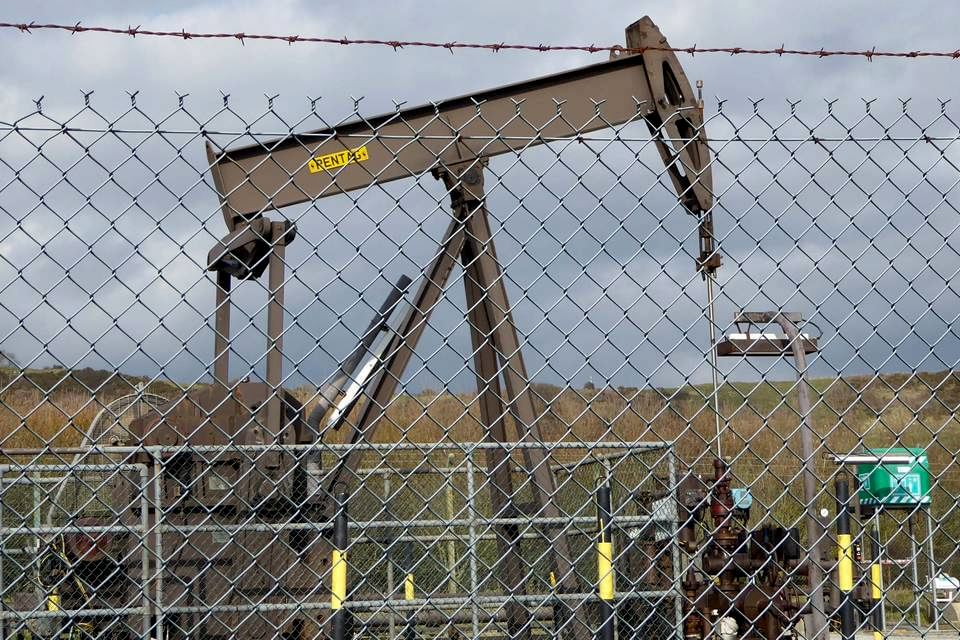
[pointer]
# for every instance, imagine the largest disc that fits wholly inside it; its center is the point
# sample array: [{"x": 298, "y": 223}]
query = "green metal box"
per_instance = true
[{"x": 895, "y": 485}]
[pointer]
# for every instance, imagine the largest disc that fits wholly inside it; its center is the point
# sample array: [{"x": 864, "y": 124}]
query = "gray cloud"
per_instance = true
[{"x": 875, "y": 264}]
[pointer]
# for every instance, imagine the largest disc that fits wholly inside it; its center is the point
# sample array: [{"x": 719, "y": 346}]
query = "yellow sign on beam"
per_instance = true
[{"x": 331, "y": 161}]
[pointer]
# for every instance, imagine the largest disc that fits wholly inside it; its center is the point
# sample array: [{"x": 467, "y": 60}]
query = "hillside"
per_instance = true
[{"x": 760, "y": 425}]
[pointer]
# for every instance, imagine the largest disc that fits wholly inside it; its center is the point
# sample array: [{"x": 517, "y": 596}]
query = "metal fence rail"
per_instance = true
[{"x": 437, "y": 465}]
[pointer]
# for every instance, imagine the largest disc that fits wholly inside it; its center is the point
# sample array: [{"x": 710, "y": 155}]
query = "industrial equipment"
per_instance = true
[
  {"x": 455, "y": 138},
  {"x": 236, "y": 461},
  {"x": 746, "y": 582}
]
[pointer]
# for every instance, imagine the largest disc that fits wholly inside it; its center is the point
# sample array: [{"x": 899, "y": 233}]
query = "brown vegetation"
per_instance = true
[{"x": 760, "y": 423}]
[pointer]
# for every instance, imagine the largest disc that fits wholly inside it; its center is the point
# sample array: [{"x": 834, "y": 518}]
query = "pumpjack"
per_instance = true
[
  {"x": 455, "y": 139},
  {"x": 230, "y": 465}
]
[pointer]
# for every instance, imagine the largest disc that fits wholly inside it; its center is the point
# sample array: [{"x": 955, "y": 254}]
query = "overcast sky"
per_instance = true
[{"x": 875, "y": 253}]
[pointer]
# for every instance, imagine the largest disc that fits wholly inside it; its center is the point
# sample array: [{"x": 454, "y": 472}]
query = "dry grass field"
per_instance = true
[{"x": 760, "y": 425}]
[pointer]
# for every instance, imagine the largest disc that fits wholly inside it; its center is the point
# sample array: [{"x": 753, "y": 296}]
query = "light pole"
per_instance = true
[{"x": 792, "y": 342}]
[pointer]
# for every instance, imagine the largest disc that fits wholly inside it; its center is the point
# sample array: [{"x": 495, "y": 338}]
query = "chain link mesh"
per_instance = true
[{"x": 136, "y": 502}]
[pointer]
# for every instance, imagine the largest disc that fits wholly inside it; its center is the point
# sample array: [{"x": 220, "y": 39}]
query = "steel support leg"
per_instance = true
[
  {"x": 499, "y": 467},
  {"x": 221, "y": 339},
  {"x": 519, "y": 394}
]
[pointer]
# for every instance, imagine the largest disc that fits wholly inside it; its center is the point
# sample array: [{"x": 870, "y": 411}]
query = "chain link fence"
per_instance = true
[{"x": 661, "y": 454}]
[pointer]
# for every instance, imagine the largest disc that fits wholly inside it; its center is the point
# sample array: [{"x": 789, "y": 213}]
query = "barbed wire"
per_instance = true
[{"x": 30, "y": 27}]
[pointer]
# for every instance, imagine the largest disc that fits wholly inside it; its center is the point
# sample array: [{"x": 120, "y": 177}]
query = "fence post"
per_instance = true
[
  {"x": 145, "y": 550},
  {"x": 3, "y": 586},
  {"x": 472, "y": 537},
  {"x": 156, "y": 469},
  {"x": 876, "y": 584},
  {"x": 675, "y": 543},
  {"x": 338, "y": 570},
  {"x": 451, "y": 543},
  {"x": 934, "y": 572},
  {"x": 409, "y": 591},
  {"x": 606, "y": 587},
  {"x": 391, "y": 557},
  {"x": 848, "y": 625},
  {"x": 914, "y": 571}
]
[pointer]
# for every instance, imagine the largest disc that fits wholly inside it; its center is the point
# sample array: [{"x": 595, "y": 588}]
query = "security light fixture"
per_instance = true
[{"x": 753, "y": 339}]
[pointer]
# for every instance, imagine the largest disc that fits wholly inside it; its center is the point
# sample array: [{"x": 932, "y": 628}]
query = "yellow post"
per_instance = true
[
  {"x": 338, "y": 579},
  {"x": 606, "y": 587},
  {"x": 876, "y": 590},
  {"x": 605, "y": 570},
  {"x": 409, "y": 590},
  {"x": 409, "y": 594},
  {"x": 338, "y": 571},
  {"x": 845, "y": 562},
  {"x": 876, "y": 593},
  {"x": 848, "y": 626},
  {"x": 876, "y": 581}
]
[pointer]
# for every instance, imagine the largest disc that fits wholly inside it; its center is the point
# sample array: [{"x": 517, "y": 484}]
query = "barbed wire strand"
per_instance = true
[{"x": 30, "y": 27}]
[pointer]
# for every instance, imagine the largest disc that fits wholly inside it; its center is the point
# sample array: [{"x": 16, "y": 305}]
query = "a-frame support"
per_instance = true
[{"x": 496, "y": 353}]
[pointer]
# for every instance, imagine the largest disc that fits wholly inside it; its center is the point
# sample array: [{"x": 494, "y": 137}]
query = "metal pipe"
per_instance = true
[
  {"x": 675, "y": 546},
  {"x": 37, "y": 509},
  {"x": 472, "y": 537},
  {"x": 914, "y": 570},
  {"x": 535, "y": 600},
  {"x": 528, "y": 521},
  {"x": 613, "y": 456},
  {"x": 367, "y": 471},
  {"x": 36, "y": 481},
  {"x": 883, "y": 607},
  {"x": 710, "y": 278},
  {"x": 391, "y": 587},
  {"x": 446, "y": 602},
  {"x": 221, "y": 339},
  {"x": 876, "y": 584},
  {"x": 375, "y": 621},
  {"x": 69, "y": 467},
  {"x": 556, "y": 466},
  {"x": 22, "y": 551},
  {"x": 70, "y": 528},
  {"x": 144, "y": 553},
  {"x": 3, "y": 586},
  {"x": 6, "y": 614},
  {"x": 321, "y": 525},
  {"x": 451, "y": 542},
  {"x": 817, "y": 619},
  {"x": 158, "y": 543},
  {"x": 933, "y": 568},
  {"x": 426, "y": 447}
]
